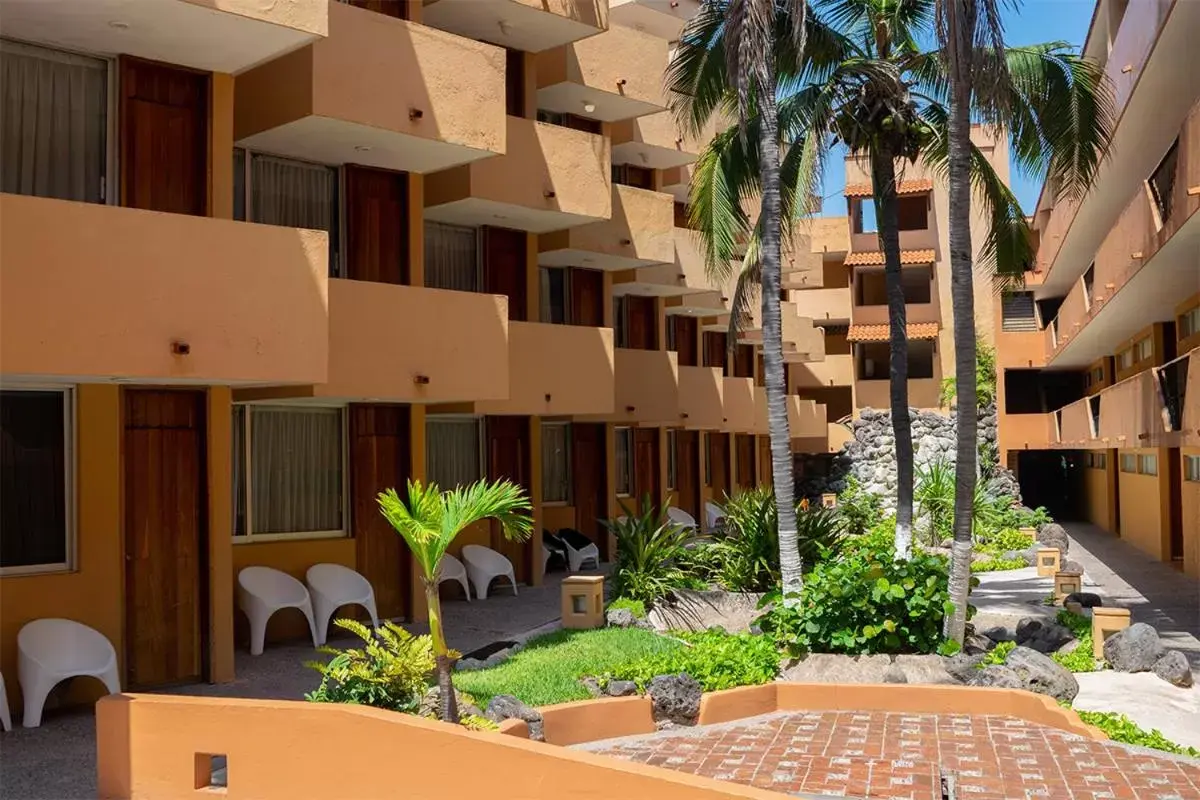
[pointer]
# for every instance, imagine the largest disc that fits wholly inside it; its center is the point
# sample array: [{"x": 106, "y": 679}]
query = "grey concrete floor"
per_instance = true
[{"x": 57, "y": 761}]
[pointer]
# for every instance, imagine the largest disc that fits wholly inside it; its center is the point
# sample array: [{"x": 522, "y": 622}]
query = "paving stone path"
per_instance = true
[{"x": 897, "y": 755}]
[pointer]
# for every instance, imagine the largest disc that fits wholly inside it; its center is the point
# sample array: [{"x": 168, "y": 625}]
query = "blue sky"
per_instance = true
[{"x": 1034, "y": 22}]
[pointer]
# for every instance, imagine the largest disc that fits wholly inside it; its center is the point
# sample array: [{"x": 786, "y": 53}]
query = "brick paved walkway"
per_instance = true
[{"x": 893, "y": 755}]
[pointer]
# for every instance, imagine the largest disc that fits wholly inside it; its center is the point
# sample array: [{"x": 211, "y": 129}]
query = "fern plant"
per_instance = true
[
  {"x": 650, "y": 554},
  {"x": 392, "y": 670}
]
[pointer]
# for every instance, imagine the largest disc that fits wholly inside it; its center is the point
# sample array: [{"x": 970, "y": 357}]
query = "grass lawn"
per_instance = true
[{"x": 548, "y": 669}]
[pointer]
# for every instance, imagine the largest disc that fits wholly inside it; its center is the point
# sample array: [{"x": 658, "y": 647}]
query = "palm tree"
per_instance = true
[
  {"x": 751, "y": 46},
  {"x": 429, "y": 520},
  {"x": 864, "y": 80}
]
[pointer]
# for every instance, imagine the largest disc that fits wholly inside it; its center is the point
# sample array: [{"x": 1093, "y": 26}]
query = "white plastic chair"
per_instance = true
[
  {"x": 451, "y": 569},
  {"x": 484, "y": 564},
  {"x": 261, "y": 592},
  {"x": 713, "y": 514},
  {"x": 681, "y": 518},
  {"x": 52, "y": 650},
  {"x": 332, "y": 586},
  {"x": 580, "y": 549},
  {"x": 5, "y": 717}
]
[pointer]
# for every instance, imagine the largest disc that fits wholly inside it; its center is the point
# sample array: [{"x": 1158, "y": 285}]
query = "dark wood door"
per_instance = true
[
  {"x": 587, "y": 297},
  {"x": 376, "y": 225},
  {"x": 743, "y": 361},
  {"x": 514, "y": 83},
  {"x": 505, "y": 268},
  {"x": 715, "y": 354},
  {"x": 687, "y": 474},
  {"x": 508, "y": 457},
  {"x": 165, "y": 537},
  {"x": 684, "y": 332},
  {"x": 646, "y": 466},
  {"x": 588, "y": 476},
  {"x": 643, "y": 322},
  {"x": 380, "y": 459},
  {"x": 164, "y": 138},
  {"x": 747, "y": 461},
  {"x": 718, "y": 459},
  {"x": 392, "y": 8}
]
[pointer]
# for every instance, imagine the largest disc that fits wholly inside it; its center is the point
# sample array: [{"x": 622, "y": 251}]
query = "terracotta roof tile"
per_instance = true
[
  {"x": 905, "y": 187},
  {"x": 880, "y": 333},
  {"x": 874, "y": 258}
]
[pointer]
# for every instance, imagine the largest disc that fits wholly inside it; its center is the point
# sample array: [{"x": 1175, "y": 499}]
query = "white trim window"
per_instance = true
[
  {"x": 1129, "y": 463},
  {"x": 37, "y": 469},
  {"x": 1148, "y": 464},
  {"x": 453, "y": 451},
  {"x": 1191, "y": 468},
  {"x": 1189, "y": 323},
  {"x": 289, "y": 472},
  {"x": 556, "y": 462},
  {"x": 623, "y": 452}
]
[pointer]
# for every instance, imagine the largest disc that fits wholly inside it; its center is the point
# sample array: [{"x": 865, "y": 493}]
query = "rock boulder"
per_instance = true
[
  {"x": 1039, "y": 673},
  {"x": 505, "y": 706},
  {"x": 996, "y": 675},
  {"x": 1174, "y": 668},
  {"x": 1135, "y": 649},
  {"x": 675, "y": 698},
  {"x": 1054, "y": 535},
  {"x": 1085, "y": 599}
]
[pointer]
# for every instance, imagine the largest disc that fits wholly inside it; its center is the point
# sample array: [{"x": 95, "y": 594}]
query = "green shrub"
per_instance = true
[
  {"x": 1008, "y": 514},
  {"x": 392, "y": 671},
  {"x": 858, "y": 508},
  {"x": 997, "y": 564},
  {"x": 1080, "y": 659},
  {"x": 717, "y": 660},
  {"x": 880, "y": 538},
  {"x": 636, "y": 607},
  {"x": 933, "y": 495},
  {"x": 865, "y": 602},
  {"x": 997, "y": 655},
  {"x": 1078, "y": 624},
  {"x": 1004, "y": 540},
  {"x": 650, "y": 553},
  {"x": 1121, "y": 728}
]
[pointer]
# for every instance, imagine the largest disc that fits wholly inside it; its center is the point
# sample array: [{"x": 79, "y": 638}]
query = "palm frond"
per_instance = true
[{"x": 725, "y": 171}]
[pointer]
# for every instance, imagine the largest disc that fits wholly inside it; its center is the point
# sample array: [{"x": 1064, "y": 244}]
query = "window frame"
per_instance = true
[
  {"x": 1148, "y": 344},
  {"x": 569, "y": 497},
  {"x": 1145, "y": 459},
  {"x": 545, "y": 287},
  {"x": 1189, "y": 323},
  {"x": 1128, "y": 463},
  {"x": 480, "y": 276},
  {"x": 1122, "y": 355},
  {"x": 1159, "y": 202},
  {"x": 249, "y": 537},
  {"x": 627, "y": 433},
  {"x": 480, "y": 430},
  {"x": 1191, "y": 468},
  {"x": 70, "y": 454}
]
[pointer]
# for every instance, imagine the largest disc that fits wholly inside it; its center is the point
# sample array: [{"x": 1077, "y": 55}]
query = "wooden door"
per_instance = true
[
  {"x": 646, "y": 466},
  {"x": 392, "y": 8},
  {"x": 587, "y": 297},
  {"x": 718, "y": 459},
  {"x": 165, "y": 538},
  {"x": 642, "y": 317},
  {"x": 380, "y": 459},
  {"x": 508, "y": 457},
  {"x": 687, "y": 476},
  {"x": 589, "y": 482},
  {"x": 1174, "y": 478},
  {"x": 164, "y": 138},
  {"x": 747, "y": 461},
  {"x": 505, "y": 268},
  {"x": 684, "y": 332},
  {"x": 376, "y": 225},
  {"x": 743, "y": 361},
  {"x": 715, "y": 353},
  {"x": 766, "y": 474},
  {"x": 514, "y": 83}
]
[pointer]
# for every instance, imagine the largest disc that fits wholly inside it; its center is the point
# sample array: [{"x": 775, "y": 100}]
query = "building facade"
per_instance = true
[
  {"x": 1098, "y": 359},
  {"x": 260, "y": 262}
]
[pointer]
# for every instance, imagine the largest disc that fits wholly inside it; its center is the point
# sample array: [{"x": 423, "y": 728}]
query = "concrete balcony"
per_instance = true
[
  {"x": 175, "y": 31},
  {"x": 835, "y": 370},
  {"x": 803, "y": 342},
  {"x": 686, "y": 276},
  {"x": 922, "y": 393},
  {"x": 647, "y": 389},
  {"x": 806, "y": 418},
  {"x": 406, "y": 344},
  {"x": 832, "y": 440},
  {"x": 523, "y": 24},
  {"x": 652, "y": 141},
  {"x": 551, "y": 178},
  {"x": 101, "y": 292},
  {"x": 557, "y": 370},
  {"x": 829, "y": 236},
  {"x": 1025, "y": 432},
  {"x": 741, "y": 412},
  {"x": 662, "y": 18},
  {"x": 823, "y": 305},
  {"x": 379, "y": 91},
  {"x": 701, "y": 398},
  {"x": 639, "y": 234},
  {"x": 617, "y": 74}
]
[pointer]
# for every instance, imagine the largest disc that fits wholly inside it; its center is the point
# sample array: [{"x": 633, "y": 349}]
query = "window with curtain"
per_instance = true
[
  {"x": 35, "y": 479},
  {"x": 1128, "y": 462},
  {"x": 624, "y": 455},
  {"x": 556, "y": 462},
  {"x": 289, "y": 471},
  {"x": 453, "y": 451},
  {"x": 452, "y": 257},
  {"x": 1191, "y": 468},
  {"x": 53, "y": 123},
  {"x": 294, "y": 194},
  {"x": 1148, "y": 464},
  {"x": 553, "y": 295}
]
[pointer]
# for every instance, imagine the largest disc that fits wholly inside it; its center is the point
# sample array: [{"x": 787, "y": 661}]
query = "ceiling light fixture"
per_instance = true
[
  {"x": 362, "y": 148},
  {"x": 118, "y": 24},
  {"x": 589, "y": 107},
  {"x": 505, "y": 27}
]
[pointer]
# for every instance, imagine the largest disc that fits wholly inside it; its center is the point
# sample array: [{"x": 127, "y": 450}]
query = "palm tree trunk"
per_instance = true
[
  {"x": 445, "y": 665},
  {"x": 961, "y": 22},
  {"x": 772, "y": 325},
  {"x": 883, "y": 175}
]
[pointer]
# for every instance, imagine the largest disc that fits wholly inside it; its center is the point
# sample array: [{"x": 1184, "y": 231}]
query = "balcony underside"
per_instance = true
[{"x": 529, "y": 27}]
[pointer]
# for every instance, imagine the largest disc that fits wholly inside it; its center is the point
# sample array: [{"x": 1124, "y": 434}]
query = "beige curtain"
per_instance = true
[
  {"x": 452, "y": 258},
  {"x": 296, "y": 470},
  {"x": 624, "y": 456},
  {"x": 453, "y": 451},
  {"x": 292, "y": 193},
  {"x": 556, "y": 462},
  {"x": 53, "y": 123}
]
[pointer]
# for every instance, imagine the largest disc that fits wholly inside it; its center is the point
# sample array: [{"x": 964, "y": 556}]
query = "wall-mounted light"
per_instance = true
[
  {"x": 415, "y": 114},
  {"x": 180, "y": 348},
  {"x": 549, "y": 193},
  {"x": 620, "y": 82},
  {"x": 626, "y": 242},
  {"x": 588, "y": 108},
  {"x": 630, "y": 409},
  {"x": 547, "y": 397},
  {"x": 421, "y": 380}
]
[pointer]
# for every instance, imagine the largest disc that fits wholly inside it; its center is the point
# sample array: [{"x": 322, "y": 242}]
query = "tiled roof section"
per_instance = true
[
  {"x": 905, "y": 187},
  {"x": 874, "y": 258},
  {"x": 879, "y": 333}
]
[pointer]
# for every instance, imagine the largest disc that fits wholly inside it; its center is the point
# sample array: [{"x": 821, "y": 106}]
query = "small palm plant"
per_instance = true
[{"x": 429, "y": 520}]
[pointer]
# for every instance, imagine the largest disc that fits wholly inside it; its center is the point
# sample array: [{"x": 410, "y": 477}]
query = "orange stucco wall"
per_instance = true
[
  {"x": 1190, "y": 497},
  {"x": 1143, "y": 506},
  {"x": 1100, "y": 497}
]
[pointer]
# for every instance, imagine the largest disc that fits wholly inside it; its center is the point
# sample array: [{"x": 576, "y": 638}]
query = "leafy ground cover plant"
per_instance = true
[
  {"x": 997, "y": 564},
  {"x": 717, "y": 660},
  {"x": 1121, "y": 728},
  {"x": 997, "y": 655},
  {"x": 391, "y": 670},
  {"x": 635, "y": 607},
  {"x": 1081, "y": 658}
]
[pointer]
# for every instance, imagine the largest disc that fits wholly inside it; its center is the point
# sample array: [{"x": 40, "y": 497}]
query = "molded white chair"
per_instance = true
[
  {"x": 484, "y": 564},
  {"x": 52, "y": 650},
  {"x": 5, "y": 717},
  {"x": 331, "y": 586},
  {"x": 713, "y": 514},
  {"x": 580, "y": 549},
  {"x": 451, "y": 569},
  {"x": 261, "y": 592},
  {"x": 681, "y": 518}
]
